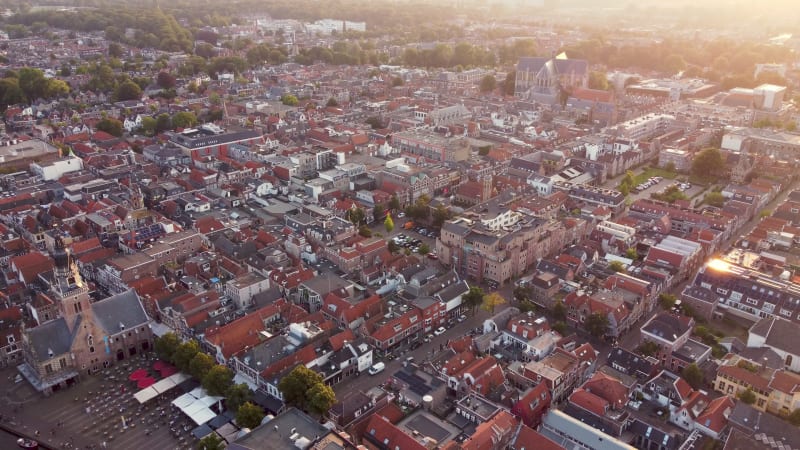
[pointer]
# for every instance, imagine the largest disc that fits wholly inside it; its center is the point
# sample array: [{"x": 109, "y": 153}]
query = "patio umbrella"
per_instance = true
[
  {"x": 159, "y": 364},
  {"x": 138, "y": 375},
  {"x": 167, "y": 371},
  {"x": 145, "y": 382}
]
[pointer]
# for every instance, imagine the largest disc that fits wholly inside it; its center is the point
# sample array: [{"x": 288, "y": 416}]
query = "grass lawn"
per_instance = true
[{"x": 653, "y": 172}]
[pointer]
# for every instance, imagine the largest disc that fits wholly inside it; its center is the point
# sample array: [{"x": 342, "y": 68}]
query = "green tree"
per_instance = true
[
  {"x": 211, "y": 442},
  {"x": 488, "y": 83},
  {"x": 616, "y": 266},
  {"x": 393, "y": 248},
  {"x": 249, "y": 415},
  {"x": 378, "y": 211},
  {"x": 598, "y": 80},
  {"x": 714, "y": 199},
  {"x": 648, "y": 348},
  {"x": 388, "y": 223},
  {"x": 440, "y": 215},
  {"x": 320, "y": 399},
  {"x": 394, "y": 203},
  {"x": 596, "y": 324},
  {"x": 631, "y": 253},
  {"x": 510, "y": 83},
  {"x": 128, "y": 90},
  {"x": 166, "y": 345},
  {"x": 674, "y": 63},
  {"x": 397, "y": 81},
  {"x": 424, "y": 249},
  {"x": 492, "y": 301},
  {"x": 356, "y": 216},
  {"x": 747, "y": 396},
  {"x": 237, "y": 395},
  {"x": 560, "y": 328},
  {"x": 184, "y": 354},
  {"x": 163, "y": 122},
  {"x": 794, "y": 417},
  {"x": 364, "y": 231},
  {"x": 667, "y": 301},
  {"x": 523, "y": 294},
  {"x": 332, "y": 103},
  {"x": 708, "y": 164},
  {"x": 200, "y": 365},
  {"x": 296, "y": 385},
  {"x": 111, "y": 126},
  {"x": 289, "y": 100},
  {"x": 693, "y": 375},
  {"x": 473, "y": 298},
  {"x": 149, "y": 125},
  {"x": 560, "y": 311},
  {"x": 218, "y": 380}
]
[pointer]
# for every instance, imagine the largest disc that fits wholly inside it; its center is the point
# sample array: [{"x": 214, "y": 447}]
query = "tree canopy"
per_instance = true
[
  {"x": 492, "y": 301},
  {"x": 708, "y": 164},
  {"x": 166, "y": 345},
  {"x": 306, "y": 390},
  {"x": 218, "y": 380},
  {"x": 111, "y": 126},
  {"x": 473, "y": 298},
  {"x": 693, "y": 375},
  {"x": 488, "y": 83},
  {"x": 249, "y": 415},
  {"x": 596, "y": 324}
]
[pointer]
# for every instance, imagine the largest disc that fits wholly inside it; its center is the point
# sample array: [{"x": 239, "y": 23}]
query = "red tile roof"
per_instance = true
[
  {"x": 590, "y": 402},
  {"x": 532, "y": 405},
  {"x": 489, "y": 435},
  {"x": 715, "y": 416},
  {"x": 607, "y": 388},
  {"x": 235, "y": 336},
  {"x": 338, "y": 340},
  {"x": 32, "y": 264},
  {"x": 381, "y": 430}
]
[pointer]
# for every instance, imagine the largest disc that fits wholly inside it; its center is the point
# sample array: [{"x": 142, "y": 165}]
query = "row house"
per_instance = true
[
  {"x": 560, "y": 372},
  {"x": 776, "y": 391},
  {"x": 748, "y": 293},
  {"x": 388, "y": 333},
  {"x": 686, "y": 220},
  {"x": 580, "y": 306}
]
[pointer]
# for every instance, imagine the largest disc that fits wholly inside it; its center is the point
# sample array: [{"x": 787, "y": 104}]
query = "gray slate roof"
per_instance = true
[
  {"x": 781, "y": 334},
  {"x": 124, "y": 308},
  {"x": 53, "y": 335}
]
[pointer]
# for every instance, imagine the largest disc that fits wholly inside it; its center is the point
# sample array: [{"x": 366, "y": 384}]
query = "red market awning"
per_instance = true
[
  {"x": 167, "y": 371},
  {"x": 158, "y": 365},
  {"x": 145, "y": 382},
  {"x": 138, "y": 375}
]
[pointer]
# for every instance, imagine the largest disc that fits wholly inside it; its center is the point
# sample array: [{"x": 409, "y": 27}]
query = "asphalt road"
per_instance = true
[{"x": 365, "y": 382}]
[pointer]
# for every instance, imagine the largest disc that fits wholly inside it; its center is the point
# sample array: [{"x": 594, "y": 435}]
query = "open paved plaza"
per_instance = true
[{"x": 99, "y": 412}]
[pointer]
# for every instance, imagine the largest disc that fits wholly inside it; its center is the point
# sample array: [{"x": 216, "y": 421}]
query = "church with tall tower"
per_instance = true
[{"x": 85, "y": 336}]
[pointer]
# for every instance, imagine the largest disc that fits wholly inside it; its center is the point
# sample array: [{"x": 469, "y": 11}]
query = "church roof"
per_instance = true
[
  {"x": 50, "y": 336},
  {"x": 124, "y": 308},
  {"x": 562, "y": 66}
]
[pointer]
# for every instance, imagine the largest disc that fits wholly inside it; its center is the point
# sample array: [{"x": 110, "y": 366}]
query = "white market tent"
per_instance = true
[
  {"x": 196, "y": 405},
  {"x": 160, "y": 387}
]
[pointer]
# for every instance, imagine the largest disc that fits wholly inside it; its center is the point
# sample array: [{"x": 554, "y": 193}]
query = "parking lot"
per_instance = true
[{"x": 688, "y": 189}]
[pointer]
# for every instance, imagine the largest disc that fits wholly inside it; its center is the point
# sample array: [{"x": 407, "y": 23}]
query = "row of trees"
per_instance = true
[
  {"x": 153, "y": 27},
  {"x": 27, "y": 85},
  {"x": 727, "y": 58},
  {"x": 216, "y": 379}
]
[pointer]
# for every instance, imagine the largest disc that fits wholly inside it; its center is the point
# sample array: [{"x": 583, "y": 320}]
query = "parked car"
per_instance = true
[
  {"x": 462, "y": 318},
  {"x": 377, "y": 368},
  {"x": 440, "y": 331}
]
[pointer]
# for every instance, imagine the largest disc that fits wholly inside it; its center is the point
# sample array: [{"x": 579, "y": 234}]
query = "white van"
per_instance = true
[{"x": 377, "y": 368}]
